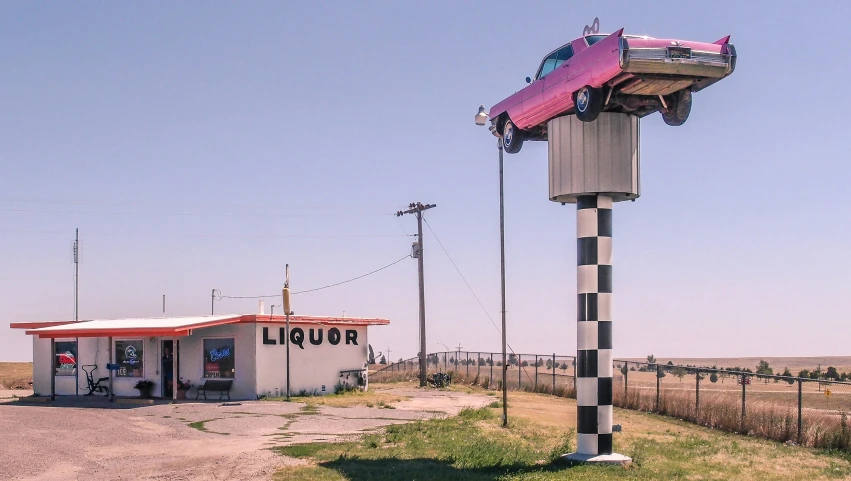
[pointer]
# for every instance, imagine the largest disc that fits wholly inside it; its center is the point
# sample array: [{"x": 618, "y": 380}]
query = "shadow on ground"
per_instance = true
[{"x": 424, "y": 469}]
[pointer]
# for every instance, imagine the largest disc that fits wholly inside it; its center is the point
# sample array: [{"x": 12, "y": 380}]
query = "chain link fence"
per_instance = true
[{"x": 805, "y": 411}]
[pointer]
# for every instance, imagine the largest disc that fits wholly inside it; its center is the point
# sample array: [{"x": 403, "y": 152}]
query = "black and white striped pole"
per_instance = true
[
  {"x": 594, "y": 324},
  {"x": 594, "y": 165}
]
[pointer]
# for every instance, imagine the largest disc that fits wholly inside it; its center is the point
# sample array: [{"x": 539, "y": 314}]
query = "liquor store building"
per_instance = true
[{"x": 249, "y": 350}]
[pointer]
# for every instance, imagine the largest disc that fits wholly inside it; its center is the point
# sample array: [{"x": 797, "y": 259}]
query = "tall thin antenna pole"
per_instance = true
[
  {"x": 163, "y": 305},
  {"x": 213, "y": 303}
]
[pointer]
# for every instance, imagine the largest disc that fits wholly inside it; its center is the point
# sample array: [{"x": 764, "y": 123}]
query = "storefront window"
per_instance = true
[
  {"x": 128, "y": 356},
  {"x": 218, "y": 358},
  {"x": 66, "y": 358}
]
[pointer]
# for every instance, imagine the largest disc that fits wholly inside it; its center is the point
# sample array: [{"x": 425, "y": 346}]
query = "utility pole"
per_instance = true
[
  {"x": 286, "y": 306},
  {"x": 458, "y": 354},
  {"x": 76, "y": 309},
  {"x": 418, "y": 208},
  {"x": 389, "y": 359}
]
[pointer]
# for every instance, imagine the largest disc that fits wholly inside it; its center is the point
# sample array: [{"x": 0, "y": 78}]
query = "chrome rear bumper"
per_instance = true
[{"x": 656, "y": 61}]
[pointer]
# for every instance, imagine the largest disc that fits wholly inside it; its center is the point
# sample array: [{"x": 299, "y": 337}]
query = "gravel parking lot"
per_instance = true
[{"x": 93, "y": 439}]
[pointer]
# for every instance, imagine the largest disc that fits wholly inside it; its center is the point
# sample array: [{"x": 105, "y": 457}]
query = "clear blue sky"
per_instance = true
[{"x": 205, "y": 145}]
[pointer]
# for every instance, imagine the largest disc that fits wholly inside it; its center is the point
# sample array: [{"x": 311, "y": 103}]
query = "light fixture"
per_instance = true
[{"x": 482, "y": 116}]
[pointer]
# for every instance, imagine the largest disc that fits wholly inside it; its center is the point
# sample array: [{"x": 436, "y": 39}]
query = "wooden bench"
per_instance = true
[{"x": 222, "y": 386}]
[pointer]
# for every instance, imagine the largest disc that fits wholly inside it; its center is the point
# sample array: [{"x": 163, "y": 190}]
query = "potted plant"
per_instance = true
[
  {"x": 182, "y": 386},
  {"x": 144, "y": 386}
]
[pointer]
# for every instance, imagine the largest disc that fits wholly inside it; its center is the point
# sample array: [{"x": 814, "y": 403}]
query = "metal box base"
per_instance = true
[{"x": 599, "y": 157}]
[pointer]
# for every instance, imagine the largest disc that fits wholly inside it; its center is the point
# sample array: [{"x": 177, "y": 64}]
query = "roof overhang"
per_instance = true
[
  {"x": 169, "y": 326},
  {"x": 174, "y": 326}
]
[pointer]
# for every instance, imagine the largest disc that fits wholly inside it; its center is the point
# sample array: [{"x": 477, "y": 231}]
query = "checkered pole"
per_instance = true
[{"x": 594, "y": 326}]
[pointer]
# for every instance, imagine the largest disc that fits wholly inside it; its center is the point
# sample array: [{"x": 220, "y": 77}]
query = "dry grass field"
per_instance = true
[
  {"x": 795, "y": 364},
  {"x": 16, "y": 375}
]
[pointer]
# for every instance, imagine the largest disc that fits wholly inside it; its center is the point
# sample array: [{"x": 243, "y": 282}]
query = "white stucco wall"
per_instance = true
[
  {"x": 260, "y": 368},
  {"x": 89, "y": 351},
  {"x": 311, "y": 367},
  {"x": 192, "y": 359}
]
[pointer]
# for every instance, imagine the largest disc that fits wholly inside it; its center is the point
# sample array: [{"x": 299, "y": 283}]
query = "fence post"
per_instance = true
[
  {"x": 800, "y": 411},
  {"x": 478, "y": 366},
  {"x": 519, "y": 371},
  {"x": 625, "y": 380},
  {"x": 744, "y": 404},
  {"x": 697, "y": 397},
  {"x": 490, "y": 383},
  {"x": 468, "y": 365},
  {"x": 536, "y": 373},
  {"x": 658, "y": 381},
  {"x": 444, "y": 363},
  {"x": 554, "y": 373}
]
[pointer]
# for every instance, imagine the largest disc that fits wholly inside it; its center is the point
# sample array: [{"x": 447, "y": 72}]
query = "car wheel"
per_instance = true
[
  {"x": 512, "y": 137},
  {"x": 588, "y": 103},
  {"x": 679, "y": 107}
]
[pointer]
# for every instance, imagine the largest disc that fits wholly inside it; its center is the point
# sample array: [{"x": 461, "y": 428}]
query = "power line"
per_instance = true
[
  {"x": 211, "y": 212},
  {"x": 319, "y": 288},
  {"x": 352, "y": 279},
  {"x": 468, "y": 285}
]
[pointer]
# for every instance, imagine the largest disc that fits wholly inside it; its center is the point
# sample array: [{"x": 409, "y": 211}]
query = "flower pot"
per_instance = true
[{"x": 181, "y": 394}]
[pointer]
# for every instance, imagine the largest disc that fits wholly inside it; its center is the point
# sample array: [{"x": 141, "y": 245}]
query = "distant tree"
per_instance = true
[
  {"x": 525, "y": 363},
  {"x": 713, "y": 378},
  {"x": 624, "y": 369},
  {"x": 499, "y": 363},
  {"x": 805, "y": 373},
  {"x": 371, "y": 355},
  {"x": 660, "y": 373},
  {"x": 564, "y": 366},
  {"x": 632, "y": 368},
  {"x": 549, "y": 364},
  {"x": 763, "y": 368},
  {"x": 383, "y": 360},
  {"x": 489, "y": 361},
  {"x": 651, "y": 359},
  {"x": 843, "y": 377},
  {"x": 832, "y": 373},
  {"x": 540, "y": 362},
  {"x": 482, "y": 361},
  {"x": 451, "y": 360},
  {"x": 670, "y": 363},
  {"x": 680, "y": 372}
]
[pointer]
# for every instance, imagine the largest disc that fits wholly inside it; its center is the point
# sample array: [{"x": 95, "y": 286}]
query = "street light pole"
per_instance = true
[
  {"x": 481, "y": 118},
  {"x": 502, "y": 279}
]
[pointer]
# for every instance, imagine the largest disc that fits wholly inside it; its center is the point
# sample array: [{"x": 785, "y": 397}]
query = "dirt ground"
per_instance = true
[
  {"x": 94, "y": 439},
  {"x": 16, "y": 375}
]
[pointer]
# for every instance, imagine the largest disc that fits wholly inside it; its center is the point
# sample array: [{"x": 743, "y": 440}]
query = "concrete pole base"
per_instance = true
[{"x": 614, "y": 458}]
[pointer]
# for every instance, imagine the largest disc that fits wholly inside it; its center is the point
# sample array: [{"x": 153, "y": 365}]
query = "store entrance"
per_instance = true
[{"x": 167, "y": 374}]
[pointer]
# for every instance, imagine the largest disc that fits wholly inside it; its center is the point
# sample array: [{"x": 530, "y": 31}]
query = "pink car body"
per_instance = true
[{"x": 630, "y": 74}]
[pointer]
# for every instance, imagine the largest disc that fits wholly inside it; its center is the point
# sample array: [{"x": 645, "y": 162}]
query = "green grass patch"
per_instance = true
[
  {"x": 472, "y": 446},
  {"x": 201, "y": 426}
]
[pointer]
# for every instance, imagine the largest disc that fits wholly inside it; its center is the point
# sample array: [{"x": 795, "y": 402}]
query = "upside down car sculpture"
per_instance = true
[{"x": 595, "y": 73}]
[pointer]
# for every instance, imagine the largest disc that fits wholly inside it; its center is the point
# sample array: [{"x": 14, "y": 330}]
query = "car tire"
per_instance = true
[
  {"x": 512, "y": 137},
  {"x": 588, "y": 103},
  {"x": 679, "y": 108}
]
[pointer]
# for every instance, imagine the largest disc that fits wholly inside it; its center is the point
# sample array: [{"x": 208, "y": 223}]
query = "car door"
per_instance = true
[
  {"x": 533, "y": 94},
  {"x": 555, "y": 98}
]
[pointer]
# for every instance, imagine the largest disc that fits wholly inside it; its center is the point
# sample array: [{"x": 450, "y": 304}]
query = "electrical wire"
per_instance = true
[
  {"x": 352, "y": 279},
  {"x": 468, "y": 286},
  {"x": 320, "y": 288}
]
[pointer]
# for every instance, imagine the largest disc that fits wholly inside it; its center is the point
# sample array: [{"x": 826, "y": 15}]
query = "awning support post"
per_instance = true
[
  {"x": 111, "y": 350},
  {"x": 173, "y": 369},
  {"x": 52, "y": 369}
]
